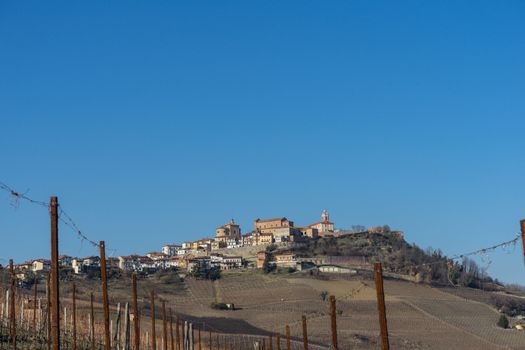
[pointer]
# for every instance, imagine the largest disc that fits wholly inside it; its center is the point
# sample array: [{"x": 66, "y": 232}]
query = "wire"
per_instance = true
[
  {"x": 63, "y": 217},
  {"x": 19, "y": 195}
]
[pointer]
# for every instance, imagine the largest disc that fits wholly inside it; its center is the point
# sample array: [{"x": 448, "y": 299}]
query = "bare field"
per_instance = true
[{"x": 419, "y": 317}]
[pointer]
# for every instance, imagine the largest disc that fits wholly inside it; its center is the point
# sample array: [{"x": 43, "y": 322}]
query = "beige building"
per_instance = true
[
  {"x": 229, "y": 231},
  {"x": 277, "y": 227},
  {"x": 325, "y": 225}
]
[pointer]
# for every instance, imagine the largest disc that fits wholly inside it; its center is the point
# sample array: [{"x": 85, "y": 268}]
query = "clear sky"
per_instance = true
[{"x": 156, "y": 122}]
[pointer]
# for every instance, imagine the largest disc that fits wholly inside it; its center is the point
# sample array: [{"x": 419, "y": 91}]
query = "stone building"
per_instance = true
[
  {"x": 229, "y": 231},
  {"x": 325, "y": 226}
]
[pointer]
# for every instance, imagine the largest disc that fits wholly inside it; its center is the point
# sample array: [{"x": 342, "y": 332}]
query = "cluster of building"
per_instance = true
[
  {"x": 265, "y": 232},
  {"x": 208, "y": 252}
]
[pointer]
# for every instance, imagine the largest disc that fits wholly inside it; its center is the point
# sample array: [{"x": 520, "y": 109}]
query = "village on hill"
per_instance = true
[{"x": 229, "y": 249}]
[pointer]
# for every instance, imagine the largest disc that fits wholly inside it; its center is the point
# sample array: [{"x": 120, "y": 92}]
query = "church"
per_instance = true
[{"x": 324, "y": 226}]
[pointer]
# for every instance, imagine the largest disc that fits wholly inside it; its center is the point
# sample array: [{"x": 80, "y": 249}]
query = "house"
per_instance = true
[
  {"x": 232, "y": 243},
  {"x": 172, "y": 261},
  {"x": 336, "y": 269},
  {"x": 87, "y": 264},
  {"x": 228, "y": 231},
  {"x": 171, "y": 249},
  {"x": 325, "y": 226},
  {"x": 231, "y": 262},
  {"x": 278, "y": 227},
  {"x": 129, "y": 263},
  {"x": 40, "y": 265},
  {"x": 261, "y": 258},
  {"x": 246, "y": 240},
  {"x": 65, "y": 261},
  {"x": 285, "y": 259},
  {"x": 259, "y": 238},
  {"x": 203, "y": 263}
]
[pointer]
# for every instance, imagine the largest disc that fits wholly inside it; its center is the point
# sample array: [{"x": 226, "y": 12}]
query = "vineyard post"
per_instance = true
[
  {"x": 74, "y": 311},
  {"x": 200, "y": 344},
  {"x": 55, "y": 297},
  {"x": 164, "y": 327},
  {"x": 270, "y": 341},
  {"x": 305, "y": 334},
  {"x": 333, "y": 316},
  {"x": 381, "y": 306},
  {"x": 34, "y": 305},
  {"x": 278, "y": 342},
  {"x": 103, "y": 274},
  {"x": 152, "y": 311},
  {"x": 92, "y": 335},
  {"x": 177, "y": 335},
  {"x": 522, "y": 224},
  {"x": 136, "y": 324},
  {"x": 211, "y": 340},
  {"x": 172, "y": 343},
  {"x": 48, "y": 292},
  {"x": 13, "y": 305},
  {"x": 288, "y": 342}
]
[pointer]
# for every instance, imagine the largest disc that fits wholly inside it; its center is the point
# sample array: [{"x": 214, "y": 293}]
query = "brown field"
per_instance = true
[{"x": 419, "y": 316}]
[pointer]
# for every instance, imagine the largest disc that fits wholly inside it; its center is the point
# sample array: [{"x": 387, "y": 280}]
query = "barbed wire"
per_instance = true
[
  {"x": 63, "y": 217},
  {"x": 18, "y": 195},
  {"x": 483, "y": 252}
]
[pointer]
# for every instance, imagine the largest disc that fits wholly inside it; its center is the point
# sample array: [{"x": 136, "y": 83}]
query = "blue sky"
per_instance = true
[{"x": 157, "y": 122}]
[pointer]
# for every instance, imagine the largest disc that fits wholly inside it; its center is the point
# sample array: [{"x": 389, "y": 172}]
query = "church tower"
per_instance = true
[{"x": 325, "y": 217}]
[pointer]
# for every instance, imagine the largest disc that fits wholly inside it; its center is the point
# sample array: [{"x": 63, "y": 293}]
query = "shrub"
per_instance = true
[{"x": 503, "y": 322}]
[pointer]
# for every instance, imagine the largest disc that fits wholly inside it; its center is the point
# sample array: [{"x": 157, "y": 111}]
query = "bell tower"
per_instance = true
[{"x": 324, "y": 216}]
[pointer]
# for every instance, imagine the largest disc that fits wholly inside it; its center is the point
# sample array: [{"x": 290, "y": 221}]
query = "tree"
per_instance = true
[{"x": 503, "y": 322}]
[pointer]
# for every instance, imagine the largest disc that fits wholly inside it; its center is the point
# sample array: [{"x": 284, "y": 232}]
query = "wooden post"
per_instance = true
[
  {"x": 381, "y": 306},
  {"x": 153, "y": 330},
  {"x": 522, "y": 224},
  {"x": 13, "y": 304},
  {"x": 200, "y": 344},
  {"x": 333, "y": 315},
  {"x": 105, "y": 301},
  {"x": 34, "y": 305},
  {"x": 55, "y": 297},
  {"x": 270, "y": 342},
  {"x": 118, "y": 327},
  {"x": 288, "y": 342},
  {"x": 127, "y": 328},
  {"x": 177, "y": 335},
  {"x": 164, "y": 327},
  {"x": 172, "y": 342},
  {"x": 278, "y": 342},
  {"x": 136, "y": 323},
  {"x": 305, "y": 334},
  {"x": 92, "y": 335},
  {"x": 48, "y": 291},
  {"x": 74, "y": 315},
  {"x": 211, "y": 341}
]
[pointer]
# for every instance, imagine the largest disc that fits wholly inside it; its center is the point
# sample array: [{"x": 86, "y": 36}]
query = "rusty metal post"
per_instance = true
[
  {"x": 92, "y": 335},
  {"x": 211, "y": 341},
  {"x": 74, "y": 315},
  {"x": 13, "y": 305},
  {"x": 381, "y": 306},
  {"x": 48, "y": 292},
  {"x": 105, "y": 301},
  {"x": 164, "y": 327},
  {"x": 153, "y": 330},
  {"x": 177, "y": 335},
  {"x": 34, "y": 305},
  {"x": 278, "y": 342},
  {"x": 270, "y": 342},
  {"x": 522, "y": 224},
  {"x": 200, "y": 344},
  {"x": 305, "y": 334},
  {"x": 333, "y": 316},
  {"x": 288, "y": 341},
  {"x": 55, "y": 297},
  {"x": 136, "y": 325},
  {"x": 172, "y": 342}
]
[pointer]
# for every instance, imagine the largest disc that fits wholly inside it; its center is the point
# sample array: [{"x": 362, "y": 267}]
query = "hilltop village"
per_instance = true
[{"x": 228, "y": 250}]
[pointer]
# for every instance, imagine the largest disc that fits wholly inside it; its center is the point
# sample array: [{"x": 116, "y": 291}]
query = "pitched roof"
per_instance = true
[{"x": 274, "y": 219}]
